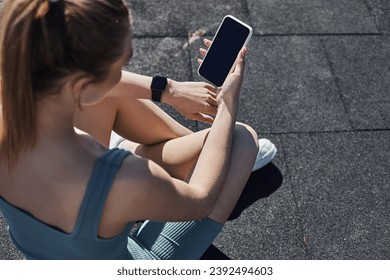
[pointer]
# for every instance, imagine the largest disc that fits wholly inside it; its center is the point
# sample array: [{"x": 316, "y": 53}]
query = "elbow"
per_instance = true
[
  {"x": 202, "y": 201},
  {"x": 206, "y": 211},
  {"x": 205, "y": 207},
  {"x": 201, "y": 213}
]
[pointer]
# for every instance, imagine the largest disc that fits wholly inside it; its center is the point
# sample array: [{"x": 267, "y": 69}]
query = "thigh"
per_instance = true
[
  {"x": 143, "y": 122},
  {"x": 140, "y": 121},
  {"x": 97, "y": 120},
  {"x": 177, "y": 240},
  {"x": 177, "y": 156}
]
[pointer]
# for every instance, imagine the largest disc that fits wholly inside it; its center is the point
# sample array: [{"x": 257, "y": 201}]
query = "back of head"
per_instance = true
[{"x": 42, "y": 44}]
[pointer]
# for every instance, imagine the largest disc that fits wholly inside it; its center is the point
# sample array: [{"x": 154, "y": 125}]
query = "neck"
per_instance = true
[{"x": 55, "y": 119}]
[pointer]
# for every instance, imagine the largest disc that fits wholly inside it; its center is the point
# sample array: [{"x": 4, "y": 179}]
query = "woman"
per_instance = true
[{"x": 63, "y": 193}]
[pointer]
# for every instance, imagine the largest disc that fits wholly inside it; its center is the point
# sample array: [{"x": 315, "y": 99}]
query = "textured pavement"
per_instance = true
[{"x": 318, "y": 85}]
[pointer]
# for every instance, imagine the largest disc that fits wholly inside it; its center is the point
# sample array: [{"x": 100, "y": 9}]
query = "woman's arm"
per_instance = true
[
  {"x": 154, "y": 194},
  {"x": 195, "y": 100}
]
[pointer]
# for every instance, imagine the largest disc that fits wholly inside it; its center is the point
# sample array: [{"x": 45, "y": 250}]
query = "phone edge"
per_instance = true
[{"x": 216, "y": 33}]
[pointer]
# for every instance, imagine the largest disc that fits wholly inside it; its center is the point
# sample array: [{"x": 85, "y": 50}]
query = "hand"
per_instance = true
[
  {"x": 194, "y": 100},
  {"x": 232, "y": 85},
  {"x": 230, "y": 90}
]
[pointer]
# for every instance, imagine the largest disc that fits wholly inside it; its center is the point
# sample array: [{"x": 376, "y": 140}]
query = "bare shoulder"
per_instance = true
[
  {"x": 133, "y": 177},
  {"x": 122, "y": 203},
  {"x": 49, "y": 181}
]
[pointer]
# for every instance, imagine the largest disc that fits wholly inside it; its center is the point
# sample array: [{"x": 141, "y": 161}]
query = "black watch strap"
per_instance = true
[{"x": 158, "y": 86}]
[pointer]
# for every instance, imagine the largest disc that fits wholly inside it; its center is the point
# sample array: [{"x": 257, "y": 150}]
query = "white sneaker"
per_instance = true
[{"x": 266, "y": 153}]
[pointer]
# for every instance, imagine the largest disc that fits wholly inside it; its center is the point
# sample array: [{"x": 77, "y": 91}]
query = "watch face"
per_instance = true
[{"x": 159, "y": 83}]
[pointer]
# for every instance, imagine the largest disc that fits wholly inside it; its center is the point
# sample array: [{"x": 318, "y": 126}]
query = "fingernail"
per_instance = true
[{"x": 243, "y": 51}]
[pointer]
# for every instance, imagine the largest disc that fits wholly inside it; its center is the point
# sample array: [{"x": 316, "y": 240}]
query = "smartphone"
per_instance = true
[{"x": 232, "y": 35}]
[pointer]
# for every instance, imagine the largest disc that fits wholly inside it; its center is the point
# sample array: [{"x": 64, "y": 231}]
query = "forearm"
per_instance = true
[
  {"x": 137, "y": 86},
  {"x": 213, "y": 163},
  {"x": 211, "y": 168},
  {"x": 194, "y": 100},
  {"x": 132, "y": 85}
]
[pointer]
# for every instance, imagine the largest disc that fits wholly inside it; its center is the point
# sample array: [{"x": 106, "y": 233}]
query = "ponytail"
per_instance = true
[
  {"x": 42, "y": 43},
  {"x": 18, "y": 106}
]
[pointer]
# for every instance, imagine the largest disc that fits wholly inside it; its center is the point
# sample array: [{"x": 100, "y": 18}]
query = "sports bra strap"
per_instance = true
[{"x": 103, "y": 175}]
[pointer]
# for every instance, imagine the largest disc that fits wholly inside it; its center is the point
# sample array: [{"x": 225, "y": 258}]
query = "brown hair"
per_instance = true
[{"x": 42, "y": 42}]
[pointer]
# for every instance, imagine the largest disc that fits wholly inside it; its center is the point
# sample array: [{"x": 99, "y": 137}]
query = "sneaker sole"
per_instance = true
[{"x": 267, "y": 158}]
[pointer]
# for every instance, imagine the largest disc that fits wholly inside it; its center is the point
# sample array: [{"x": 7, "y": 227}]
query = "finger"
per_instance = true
[
  {"x": 209, "y": 110},
  {"x": 213, "y": 107},
  {"x": 200, "y": 61},
  {"x": 211, "y": 88},
  {"x": 212, "y": 101},
  {"x": 240, "y": 62},
  {"x": 207, "y": 42},
  {"x": 202, "y": 51},
  {"x": 203, "y": 118},
  {"x": 207, "y": 119},
  {"x": 213, "y": 93}
]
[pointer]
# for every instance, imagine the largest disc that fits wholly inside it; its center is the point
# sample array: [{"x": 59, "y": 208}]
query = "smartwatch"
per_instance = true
[{"x": 158, "y": 86}]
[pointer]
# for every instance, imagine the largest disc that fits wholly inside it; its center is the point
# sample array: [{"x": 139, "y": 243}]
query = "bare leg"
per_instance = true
[
  {"x": 143, "y": 122},
  {"x": 98, "y": 120},
  {"x": 182, "y": 153},
  {"x": 245, "y": 147},
  {"x": 177, "y": 156},
  {"x": 171, "y": 145},
  {"x": 140, "y": 121}
]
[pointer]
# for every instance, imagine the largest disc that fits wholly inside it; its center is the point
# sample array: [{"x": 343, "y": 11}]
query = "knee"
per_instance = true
[{"x": 246, "y": 137}]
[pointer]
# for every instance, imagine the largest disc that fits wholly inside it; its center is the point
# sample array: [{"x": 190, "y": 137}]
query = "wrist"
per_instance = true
[
  {"x": 228, "y": 99},
  {"x": 157, "y": 87},
  {"x": 229, "y": 109},
  {"x": 167, "y": 94}
]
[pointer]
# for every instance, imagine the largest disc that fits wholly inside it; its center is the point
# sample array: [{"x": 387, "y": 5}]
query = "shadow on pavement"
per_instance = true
[
  {"x": 261, "y": 184},
  {"x": 213, "y": 253}
]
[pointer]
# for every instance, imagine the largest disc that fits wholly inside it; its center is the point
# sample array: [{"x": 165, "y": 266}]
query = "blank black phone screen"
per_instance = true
[{"x": 223, "y": 51}]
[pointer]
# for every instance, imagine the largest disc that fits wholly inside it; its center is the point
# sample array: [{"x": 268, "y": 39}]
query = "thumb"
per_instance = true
[
  {"x": 240, "y": 62},
  {"x": 202, "y": 118}
]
